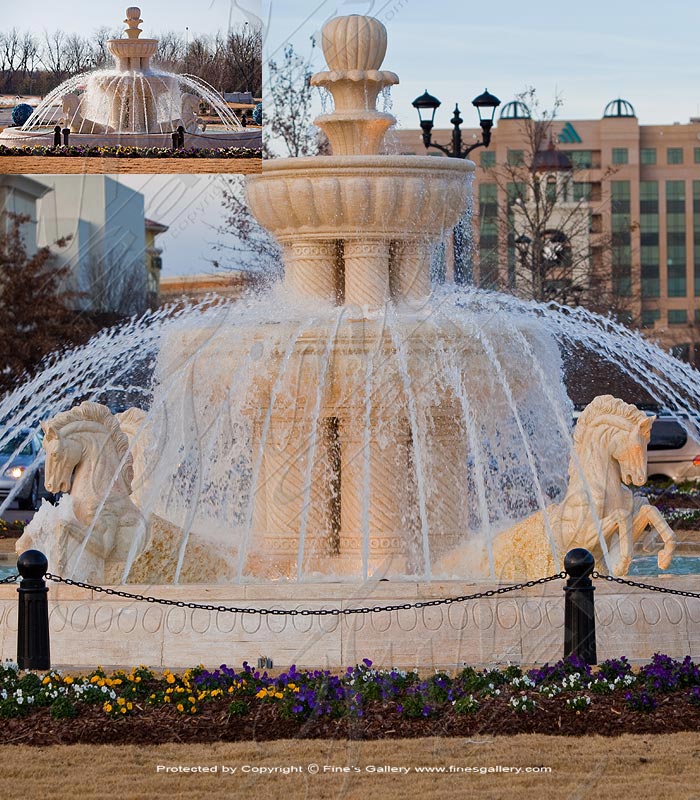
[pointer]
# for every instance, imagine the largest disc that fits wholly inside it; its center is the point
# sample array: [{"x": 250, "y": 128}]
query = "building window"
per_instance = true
[
  {"x": 620, "y": 155},
  {"x": 621, "y": 238},
  {"x": 488, "y": 235},
  {"x": 516, "y": 158},
  {"x": 674, "y": 155},
  {"x": 582, "y": 190},
  {"x": 677, "y": 316},
  {"x": 696, "y": 155},
  {"x": 697, "y": 315},
  {"x": 649, "y": 237},
  {"x": 675, "y": 238},
  {"x": 488, "y": 159},
  {"x": 581, "y": 159},
  {"x": 650, "y": 317},
  {"x": 647, "y": 155}
]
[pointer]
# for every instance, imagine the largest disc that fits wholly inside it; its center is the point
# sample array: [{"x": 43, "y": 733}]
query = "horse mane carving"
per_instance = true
[
  {"x": 605, "y": 405},
  {"x": 89, "y": 411}
]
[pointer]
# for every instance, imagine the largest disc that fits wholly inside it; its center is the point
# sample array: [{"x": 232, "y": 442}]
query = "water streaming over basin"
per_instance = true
[
  {"x": 112, "y": 101},
  {"x": 288, "y": 483}
]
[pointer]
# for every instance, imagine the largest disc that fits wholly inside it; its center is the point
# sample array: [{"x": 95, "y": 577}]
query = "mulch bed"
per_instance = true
[{"x": 607, "y": 716}]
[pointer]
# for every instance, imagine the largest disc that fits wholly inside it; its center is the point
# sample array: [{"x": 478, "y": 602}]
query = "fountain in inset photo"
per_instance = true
[
  {"x": 355, "y": 423},
  {"x": 133, "y": 104}
]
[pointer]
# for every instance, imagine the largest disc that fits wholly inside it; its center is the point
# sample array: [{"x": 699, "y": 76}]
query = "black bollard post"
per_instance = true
[
  {"x": 176, "y": 140},
  {"x": 57, "y": 136},
  {"x": 33, "y": 650},
  {"x": 579, "y": 608},
  {"x": 181, "y": 136},
  {"x": 66, "y": 134}
]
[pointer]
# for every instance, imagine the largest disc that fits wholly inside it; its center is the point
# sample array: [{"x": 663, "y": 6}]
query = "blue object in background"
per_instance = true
[
  {"x": 21, "y": 113},
  {"x": 257, "y": 114}
]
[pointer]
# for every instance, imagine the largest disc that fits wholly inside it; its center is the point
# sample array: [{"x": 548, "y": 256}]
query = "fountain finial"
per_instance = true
[
  {"x": 354, "y": 47},
  {"x": 133, "y": 20}
]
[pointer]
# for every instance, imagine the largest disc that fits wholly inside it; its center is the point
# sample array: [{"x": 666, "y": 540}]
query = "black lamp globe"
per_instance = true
[
  {"x": 486, "y": 101},
  {"x": 426, "y": 105}
]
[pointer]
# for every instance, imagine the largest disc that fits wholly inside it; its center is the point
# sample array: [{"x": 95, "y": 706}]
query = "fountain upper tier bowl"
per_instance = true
[{"x": 339, "y": 197}]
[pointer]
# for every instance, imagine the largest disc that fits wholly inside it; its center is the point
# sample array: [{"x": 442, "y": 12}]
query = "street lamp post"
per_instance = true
[{"x": 427, "y": 105}]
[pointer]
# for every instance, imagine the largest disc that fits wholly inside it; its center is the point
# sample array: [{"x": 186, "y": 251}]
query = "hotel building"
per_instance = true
[{"x": 641, "y": 186}]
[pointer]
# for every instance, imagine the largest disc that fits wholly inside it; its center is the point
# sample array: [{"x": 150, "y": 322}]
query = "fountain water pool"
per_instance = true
[
  {"x": 351, "y": 425},
  {"x": 133, "y": 104}
]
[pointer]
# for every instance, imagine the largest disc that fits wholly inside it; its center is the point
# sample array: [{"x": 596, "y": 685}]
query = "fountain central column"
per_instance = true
[{"x": 356, "y": 229}]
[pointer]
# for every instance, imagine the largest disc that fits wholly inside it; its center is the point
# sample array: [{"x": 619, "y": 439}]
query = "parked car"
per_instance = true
[
  {"x": 25, "y": 468},
  {"x": 673, "y": 453}
]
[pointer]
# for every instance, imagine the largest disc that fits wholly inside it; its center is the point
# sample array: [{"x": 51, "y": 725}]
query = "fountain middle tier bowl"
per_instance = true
[
  {"x": 339, "y": 197},
  {"x": 132, "y": 48}
]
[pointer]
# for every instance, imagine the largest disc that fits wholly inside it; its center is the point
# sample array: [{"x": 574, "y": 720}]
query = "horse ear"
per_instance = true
[
  {"x": 648, "y": 422},
  {"x": 49, "y": 431}
]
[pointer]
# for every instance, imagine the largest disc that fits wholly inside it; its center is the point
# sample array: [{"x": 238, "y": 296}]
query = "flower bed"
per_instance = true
[
  {"x": 131, "y": 152},
  {"x": 566, "y": 698},
  {"x": 11, "y": 529}
]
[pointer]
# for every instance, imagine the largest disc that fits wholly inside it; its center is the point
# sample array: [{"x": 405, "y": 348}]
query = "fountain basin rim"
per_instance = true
[{"x": 330, "y": 166}]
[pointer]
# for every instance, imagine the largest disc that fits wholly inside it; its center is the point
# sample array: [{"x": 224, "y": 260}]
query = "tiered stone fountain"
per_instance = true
[
  {"x": 133, "y": 104},
  {"x": 350, "y": 440}
]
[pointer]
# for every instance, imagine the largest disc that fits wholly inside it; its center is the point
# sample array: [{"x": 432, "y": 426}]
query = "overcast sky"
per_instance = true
[
  {"x": 86, "y": 16},
  {"x": 190, "y": 205},
  {"x": 589, "y": 52}
]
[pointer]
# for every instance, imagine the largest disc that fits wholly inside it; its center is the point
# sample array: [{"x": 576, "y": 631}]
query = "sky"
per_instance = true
[
  {"x": 190, "y": 205},
  {"x": 86, "y": 16},
  {"x": 586, "y": 52}
]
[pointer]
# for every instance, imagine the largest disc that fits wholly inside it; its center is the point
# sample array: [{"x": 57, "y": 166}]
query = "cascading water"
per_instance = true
[
  {"x": 205, "y": 461},
  {"x": 354, "y": 422}
]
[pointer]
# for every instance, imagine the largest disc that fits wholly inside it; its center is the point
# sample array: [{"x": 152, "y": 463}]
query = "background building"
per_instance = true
[
  {"x": 19, "y": 195},
  {"x": 640, "y": 185}
]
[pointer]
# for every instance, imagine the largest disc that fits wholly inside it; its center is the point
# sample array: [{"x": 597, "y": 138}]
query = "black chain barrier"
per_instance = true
[
  {"x": 647, "y": 586},
  {"x": 306, "y": 612},
  {"x": 33, "y": 647}
]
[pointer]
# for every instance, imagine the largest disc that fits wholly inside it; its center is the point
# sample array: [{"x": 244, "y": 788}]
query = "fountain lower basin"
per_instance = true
[{"x": 525, "y": 628}]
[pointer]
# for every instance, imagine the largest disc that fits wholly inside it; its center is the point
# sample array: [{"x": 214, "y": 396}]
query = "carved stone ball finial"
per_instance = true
[
  {"x": 133, "y": 20},
  {"x": 354, "y": 43}
]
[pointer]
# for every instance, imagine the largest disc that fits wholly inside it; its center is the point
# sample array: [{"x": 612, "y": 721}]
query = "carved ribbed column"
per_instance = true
[
  {"x": 410, "y": 270},
  {"x": 447, "y": 503},
  {"x": 281, "y": 501},
  {"x": 311, "y": 268},
  {"x": 366, "y": 272},
  {"x": 387, "y": 543}
]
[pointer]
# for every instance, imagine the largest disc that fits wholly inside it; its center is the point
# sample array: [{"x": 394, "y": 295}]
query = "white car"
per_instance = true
[{"x": 673, "y": 453}]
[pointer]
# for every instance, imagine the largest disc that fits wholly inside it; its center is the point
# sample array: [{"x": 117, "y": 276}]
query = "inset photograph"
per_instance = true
[{"x": 170, "y": 91}]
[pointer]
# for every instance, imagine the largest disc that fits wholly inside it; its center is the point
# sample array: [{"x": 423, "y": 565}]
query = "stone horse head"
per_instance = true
[{"x": 619, "y": 429}]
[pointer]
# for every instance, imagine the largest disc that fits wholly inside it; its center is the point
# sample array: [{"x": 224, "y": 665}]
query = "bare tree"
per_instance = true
[
  {"x": 246, "y": 244},
  {"x": 546, "y": 218},
  {"x": 52, "y": 54},
  {"x": 39, "y": 313},
  {"x": 288, "y": 122},
  {"x": 117, "y": 283},
  {"x": 231, "y": 62}
]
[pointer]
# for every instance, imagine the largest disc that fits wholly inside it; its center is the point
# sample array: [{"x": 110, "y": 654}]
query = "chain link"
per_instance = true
[
  {"x": 305, "y": 612},
  {"x": 647, "y": 586},
  {"x": 9, "y": 579}
]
